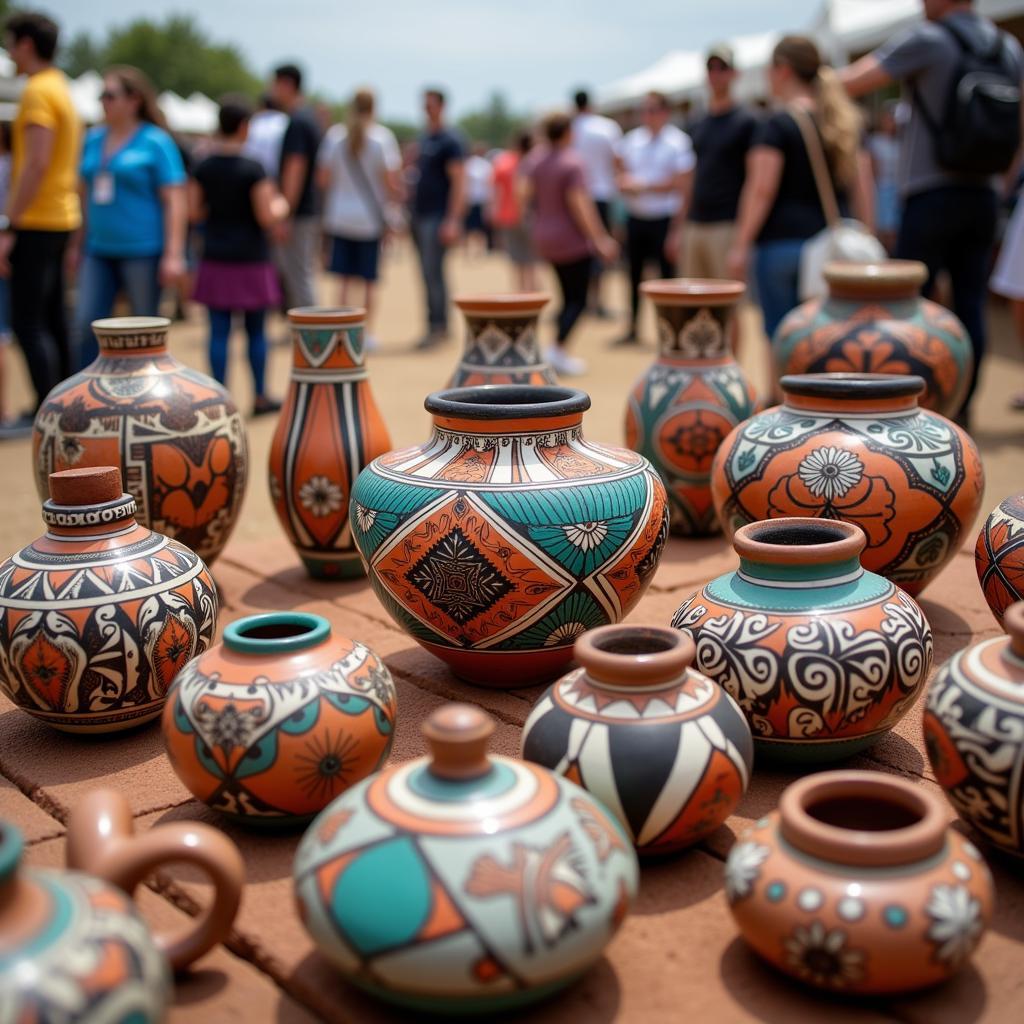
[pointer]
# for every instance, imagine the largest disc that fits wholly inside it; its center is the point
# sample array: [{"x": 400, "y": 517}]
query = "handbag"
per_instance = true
[{"x": 843, "y": 237}]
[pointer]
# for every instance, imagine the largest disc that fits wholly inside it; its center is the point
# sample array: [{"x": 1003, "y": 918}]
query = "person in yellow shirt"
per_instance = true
[{"x": 42, "y": 206}]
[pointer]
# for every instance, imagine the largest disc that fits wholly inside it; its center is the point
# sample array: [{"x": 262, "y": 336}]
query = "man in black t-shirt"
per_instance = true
[
  {"x": 705, "y": 226},
  {"x": 297, "y": 236}
]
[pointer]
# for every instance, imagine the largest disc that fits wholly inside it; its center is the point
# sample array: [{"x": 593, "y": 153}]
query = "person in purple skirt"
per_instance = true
[{"x": 232, "y": 197}]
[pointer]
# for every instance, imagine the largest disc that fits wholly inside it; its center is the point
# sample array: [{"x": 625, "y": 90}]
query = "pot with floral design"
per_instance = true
[
  {"x": 273, "y": 723},
  {"x": 974, "y": 733},
  {"x": 873, "y": 320},
  {"x": 329, "y": 429},
  {"x": 175, "y": 433},
  {"x": 501, "y": 341},
  {"x": 464, "y": 882},
  {"x": 823, "y": 656},
  {"x": 856, "y": 447},
  {"x": 856, "y": 884},
  {"x": 999, "y": 555},
  {"x": 665, "y": 749},
  {"x": 99, "y": 614},
  {"x": 506, "y": 535},
  {"x": 693, "y": 394}
]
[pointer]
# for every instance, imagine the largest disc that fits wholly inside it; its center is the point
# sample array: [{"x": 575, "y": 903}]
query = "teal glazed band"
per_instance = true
[
  {"x": 276, "y": 632},
  {"x": 11, "y": 845}
]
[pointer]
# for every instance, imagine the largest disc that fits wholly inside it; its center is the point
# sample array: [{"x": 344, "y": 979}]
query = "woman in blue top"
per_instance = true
[{"x": 134, "y": 205}]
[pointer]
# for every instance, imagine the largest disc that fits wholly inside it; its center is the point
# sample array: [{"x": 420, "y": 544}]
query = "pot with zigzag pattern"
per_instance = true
[{"x": 508, "y": 534}]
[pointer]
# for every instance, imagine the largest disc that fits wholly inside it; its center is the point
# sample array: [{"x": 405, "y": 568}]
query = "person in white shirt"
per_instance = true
[
  {"x": 266, "y": 132},
  {"x": 479, "y": 187},
  {"x": 654, "y": 162},
  {"x": 358, "y": 168}
]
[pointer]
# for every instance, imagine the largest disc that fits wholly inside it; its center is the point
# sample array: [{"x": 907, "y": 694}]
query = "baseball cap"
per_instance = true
[{"x": 722, "y": 52}]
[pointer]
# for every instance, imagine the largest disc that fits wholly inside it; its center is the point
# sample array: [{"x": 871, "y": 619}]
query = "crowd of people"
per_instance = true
[{"x": 244, "y": 222}]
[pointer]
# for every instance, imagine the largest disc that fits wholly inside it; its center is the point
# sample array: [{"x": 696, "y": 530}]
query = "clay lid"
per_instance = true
[
  {"x": 1013, "y": 623},
  {"x": 886, "y": 278},
  {"x": 336, "y": 316},
  {"x": 90, "y": 485},
  {"x": 458, "y": 736},
  {"x": 799, "y": 540},
  {"x": 693, "y": 291},
  {"x": 497, "y": 304},
  {"x": 634, "y": 655}
]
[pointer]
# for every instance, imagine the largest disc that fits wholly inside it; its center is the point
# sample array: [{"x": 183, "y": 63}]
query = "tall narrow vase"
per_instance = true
[
  {"x": 330, "y": 428},
  {"x": 693, "y": 394},
  {"x": 501, "y": 341}
]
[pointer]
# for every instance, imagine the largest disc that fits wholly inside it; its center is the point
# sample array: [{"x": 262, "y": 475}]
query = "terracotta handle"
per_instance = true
[{"x": 101, "y": 842}]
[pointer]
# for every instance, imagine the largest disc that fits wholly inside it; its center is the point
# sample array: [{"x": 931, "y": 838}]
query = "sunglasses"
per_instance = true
[{"x": 109, "y": 94}]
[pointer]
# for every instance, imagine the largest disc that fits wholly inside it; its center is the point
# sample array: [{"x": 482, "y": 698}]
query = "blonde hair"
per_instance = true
[
  {"x": 837, "y": 117},
  {"x": 360, "y": 116}
]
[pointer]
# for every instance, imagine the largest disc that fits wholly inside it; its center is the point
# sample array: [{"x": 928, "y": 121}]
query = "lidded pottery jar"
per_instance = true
[
  {"x": 665, "y": 749},
  {"x": 274, "y": 722},
  {"x": 875, "y": 321},
  {"x": 175, "y": 433},
  {"x": 99, "y": 614},
  {"x": 855, "y": 446},
  {"x": 974, "y": 733},
  {"x": 857, "y": 884},
  {"x": 464, "y": 882},
  {"x": 694, "y": 393},
  {"x": 506, "y": 535},
  {"x": 501, "y": 341},
  {"x": 999, "y": 555},
  {"x": 328, "y": 430},
  {"x": 823, "y": 656}
]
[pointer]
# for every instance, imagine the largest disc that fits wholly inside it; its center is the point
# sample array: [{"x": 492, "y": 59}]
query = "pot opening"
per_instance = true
[
  {"x": 798, "y": 535},
  {"x": 507, "y": 401},
  {"x": 864, "y": 813},
  {"x": 276, "y": 631},
  {"x": 629, "y": 644}
]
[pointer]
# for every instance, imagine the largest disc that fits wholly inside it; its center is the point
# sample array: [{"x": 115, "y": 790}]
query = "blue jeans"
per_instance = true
[
  {"x": 426, "y": 231},
  {"x": 220, "y": 334},
  {"x": 99, "y": 282},
  {"x": 777, "y": 268}
]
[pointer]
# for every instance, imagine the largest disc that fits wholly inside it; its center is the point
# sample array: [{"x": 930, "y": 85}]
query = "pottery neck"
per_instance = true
[
  {"x": 694, "y": 334},
  {"x": 101, "y": 521},
  {"x": 634, "y": 658},
  {"x": 798, "y": 553},
  {"x": 131, "y": 342},
  {"x": 501, "y": 331},
  {"x": 874, "y": 395},
  {"x": 276, "y": 634},
  {"x": 328, "y": 345},
  {"x": 888, "y": 282}
]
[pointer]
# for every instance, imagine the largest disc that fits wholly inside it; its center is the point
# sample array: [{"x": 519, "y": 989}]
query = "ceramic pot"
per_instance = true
[
  {"x": 175, "y": 433},
  {"x": 974, "y": 733},
  {"x": 661, "y": 746},
  {"x": 823, "y": 657},
  {"x": 72, "y": 945},
  {"x": 873, "y": 320},
  {"x": 463, "y": 882},
  {"x": 507, "y": 534},
  {"x": 99, "y": 614},
  {"x": 693, "y": 394},
  {"x": 274, "y": 722},
  {"x": 501, "y": 341},
  {"x": 999, "y": 556},
  {"x": 856, "y": 447},
  {"x": 329, "y": 429},
  {"x": 856, "y": 884}
]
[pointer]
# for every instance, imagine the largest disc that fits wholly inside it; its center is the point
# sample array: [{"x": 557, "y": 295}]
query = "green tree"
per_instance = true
[
  {"x": 81, "y": 54},
  {"x": 405, "y": 131},
  {"x": 494, "y": 124}
]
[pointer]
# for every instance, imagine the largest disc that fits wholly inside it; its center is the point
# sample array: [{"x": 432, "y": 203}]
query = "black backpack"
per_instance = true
[{"x": 980, "y": 130}]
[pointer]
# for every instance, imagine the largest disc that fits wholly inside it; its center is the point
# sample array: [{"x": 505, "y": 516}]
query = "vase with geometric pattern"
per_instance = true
[{"x": 999, "y": 555}]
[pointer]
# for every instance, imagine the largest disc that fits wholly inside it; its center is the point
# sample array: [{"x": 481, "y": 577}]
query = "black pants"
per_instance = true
[
  {"x": 574, "y": 280},
  {"x": 954, "y": 229},
  {"x": 645, "y": 243},
  {"x": 37, "y": 307}
]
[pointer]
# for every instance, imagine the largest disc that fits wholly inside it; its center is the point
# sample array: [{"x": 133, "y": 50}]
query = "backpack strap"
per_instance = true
[{"x": 819, "y": 165}]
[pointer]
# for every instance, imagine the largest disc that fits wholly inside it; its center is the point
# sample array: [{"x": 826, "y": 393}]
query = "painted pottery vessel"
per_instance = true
[
  {"x": 274, "y": 722},
  {"x": 875, "y": 321},
  {"x": 501, "y": 341},
  {"x": 823, "y": 656},
  {"x": 665, "y": 749},
  {"x": 999, "y": 556},
  {"x": 694, "y": 393},
  {"x": 507, "y": 534},
  {"x": 176, "y": 434},
  {"x": 463, "y": 882},
  {"x": 856, "y": 447},
  {"x": 99, "y": 614},
  {"x": 856, "y": 884},
  {"x": 974, "y": 733},
  {"x": 329, "y": 429}
]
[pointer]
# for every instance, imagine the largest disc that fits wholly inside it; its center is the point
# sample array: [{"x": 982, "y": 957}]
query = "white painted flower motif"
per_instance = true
[
  {"x": 830, "y": 472},
  {"x": 365, "y": 518},
  {"x": 320, "y": 496},
  {"x": 742, "y": 868},
  {"x": 565, "y": 632},
  {"x": 586, "y": 536},
  {"x": 956, "y": 922},
  {"x": 822, "y": 957}
]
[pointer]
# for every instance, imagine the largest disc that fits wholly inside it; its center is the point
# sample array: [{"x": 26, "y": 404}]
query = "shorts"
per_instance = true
[
  {"x": 705, "y": 247},
  {"x": 475, "y": 219},
  {"x": 355, "y": 257}
]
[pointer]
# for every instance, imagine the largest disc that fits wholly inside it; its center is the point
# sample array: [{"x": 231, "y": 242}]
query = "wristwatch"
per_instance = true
[{"x": 5, "y": 222}]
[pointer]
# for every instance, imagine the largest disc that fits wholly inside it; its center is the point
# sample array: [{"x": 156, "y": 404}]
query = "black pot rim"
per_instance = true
[
  {"x": 852, "y": 386},
  {"x": 507, "y": 401}
]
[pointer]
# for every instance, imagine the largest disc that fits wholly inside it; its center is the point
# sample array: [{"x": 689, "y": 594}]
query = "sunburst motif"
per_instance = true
[{"x": 326, "y": 765}]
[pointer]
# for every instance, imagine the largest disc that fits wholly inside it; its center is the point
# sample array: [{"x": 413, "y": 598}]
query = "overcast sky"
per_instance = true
[{"x": 535, "y": 51}]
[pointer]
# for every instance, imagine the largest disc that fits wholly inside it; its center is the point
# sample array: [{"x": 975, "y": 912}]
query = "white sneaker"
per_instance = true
[{"x": 561, "y": 362}]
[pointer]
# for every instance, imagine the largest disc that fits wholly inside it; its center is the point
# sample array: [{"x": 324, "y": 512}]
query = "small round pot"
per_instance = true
[
  {"x": 823, "y": 656},
  {"x": 856, "y": 884},
  {"x": 999, "y": 556},
  {"x": 974, "y": 733},
  {"x": 665, "y": 749},
  {"x": 273, "y": 723}
]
